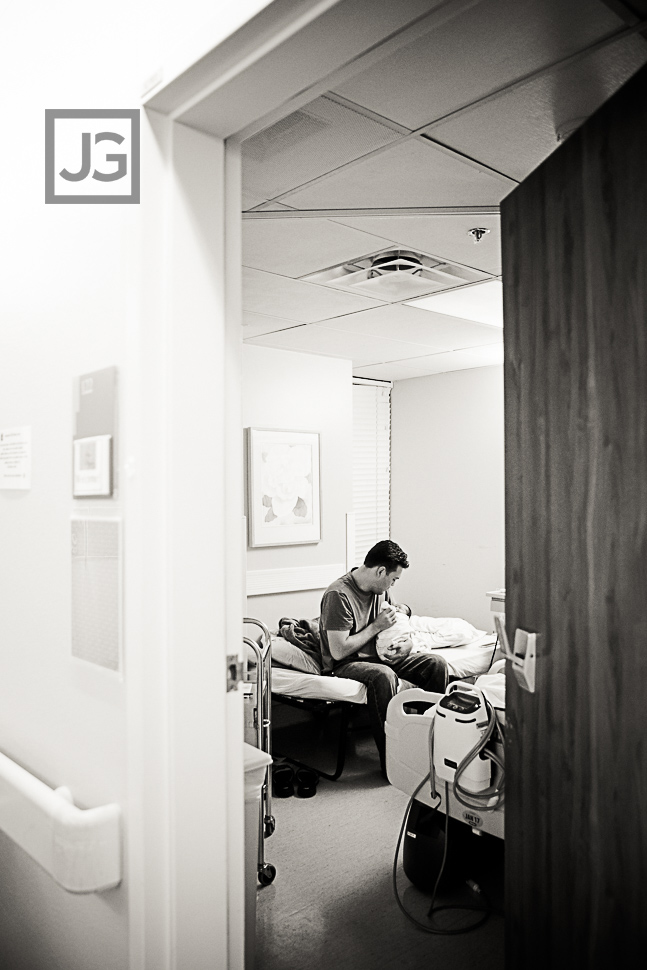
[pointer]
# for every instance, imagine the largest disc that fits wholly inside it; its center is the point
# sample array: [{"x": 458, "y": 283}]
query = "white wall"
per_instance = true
[
  {"x": 304, "y": 392},
  {"x": 176, "y": 34},
  {"x": 447, "y": 498},
  {"x": 71, "y": 303},
  {"x": 68, "y": 296}
]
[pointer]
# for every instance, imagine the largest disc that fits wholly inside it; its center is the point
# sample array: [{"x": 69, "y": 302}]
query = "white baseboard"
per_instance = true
[{"x": 291, "y": 579}]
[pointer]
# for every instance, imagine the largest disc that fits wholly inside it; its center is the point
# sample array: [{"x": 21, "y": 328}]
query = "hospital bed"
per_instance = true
[{"x": 320, "y": 695}]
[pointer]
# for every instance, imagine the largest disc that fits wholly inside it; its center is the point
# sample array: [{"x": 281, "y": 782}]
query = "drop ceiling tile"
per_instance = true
[
  {"x": 257, "y": 323},
  {"x": 279, "y": 296},
  {"x": 251, "y": 200},
  {"x": 313, "y": 140},
  {"x": 446, "y": 237},
  {"x": 317, "y": 339},
  {"x": 296, "y": 247},
  {"x": 485, "y": 47},
  {"x": 481, "y": 303},
  {"x": 401, "y": 370},
  {"x": 431, "y": 330},
  {"x": 273, "y": 207},
  {"x": 411, "y": 173},
  {"x": 517, "y": 131}
]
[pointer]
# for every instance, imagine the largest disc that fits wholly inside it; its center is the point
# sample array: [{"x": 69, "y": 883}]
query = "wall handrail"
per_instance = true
[{"x": 79, "y": 848}]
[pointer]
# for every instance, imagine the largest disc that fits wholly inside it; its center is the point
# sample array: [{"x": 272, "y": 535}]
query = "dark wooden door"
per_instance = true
[{"x": 575, "y": 277}]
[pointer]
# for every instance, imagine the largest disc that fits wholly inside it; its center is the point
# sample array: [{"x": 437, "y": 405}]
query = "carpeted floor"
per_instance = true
[{"x": 331, "y": 904}]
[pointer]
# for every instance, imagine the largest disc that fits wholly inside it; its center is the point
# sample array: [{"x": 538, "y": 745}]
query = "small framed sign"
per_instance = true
[
  {"x": 15, "y": 457},
  {"x": 93, "y": 466}
]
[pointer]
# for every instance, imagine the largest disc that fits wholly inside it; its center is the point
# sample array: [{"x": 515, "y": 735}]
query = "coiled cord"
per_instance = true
[
  {"x": 433, "y": 909},
  {"x": 484, "y": 910},
  {"x": 492, "y": 797}
]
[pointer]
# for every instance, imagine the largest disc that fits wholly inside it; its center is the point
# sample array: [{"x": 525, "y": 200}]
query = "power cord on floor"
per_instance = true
[{"x": 436, "y": 909}]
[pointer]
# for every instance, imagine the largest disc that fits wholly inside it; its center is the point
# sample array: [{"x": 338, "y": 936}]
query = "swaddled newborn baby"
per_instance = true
[{"x": 423, "y": 633}]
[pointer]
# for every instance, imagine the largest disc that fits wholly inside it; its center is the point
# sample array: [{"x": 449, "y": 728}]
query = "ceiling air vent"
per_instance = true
[
  {"x": 395, "y": 274},
  {"x": 284, "y": 136}
]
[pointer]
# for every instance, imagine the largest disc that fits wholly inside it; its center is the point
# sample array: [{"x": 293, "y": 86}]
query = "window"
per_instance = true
[{"x": 371, "y": 464}]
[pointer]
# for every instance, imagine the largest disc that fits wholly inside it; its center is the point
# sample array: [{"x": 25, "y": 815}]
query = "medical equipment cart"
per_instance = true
[{"x": 262, "y": 721}]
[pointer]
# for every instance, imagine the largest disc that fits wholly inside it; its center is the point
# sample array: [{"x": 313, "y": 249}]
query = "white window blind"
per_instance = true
[{"x": 371, "y": 466}]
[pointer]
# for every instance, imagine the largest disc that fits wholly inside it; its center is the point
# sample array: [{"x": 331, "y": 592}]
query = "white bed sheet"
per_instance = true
[
  {"x": 468, "y": 660},
  {"x": 317, "y": 687}
]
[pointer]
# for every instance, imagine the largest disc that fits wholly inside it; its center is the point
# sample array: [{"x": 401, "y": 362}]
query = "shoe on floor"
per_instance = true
[
  {"x": 307, "y": 780},
  {"x": 282, "y": 781}
]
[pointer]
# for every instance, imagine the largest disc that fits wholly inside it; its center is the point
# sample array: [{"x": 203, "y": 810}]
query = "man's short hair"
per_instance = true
[{"x": 388, "y": 554}]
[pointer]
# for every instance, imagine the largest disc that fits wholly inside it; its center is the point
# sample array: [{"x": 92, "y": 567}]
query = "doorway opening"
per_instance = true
[{"x": 357, "y": 211}]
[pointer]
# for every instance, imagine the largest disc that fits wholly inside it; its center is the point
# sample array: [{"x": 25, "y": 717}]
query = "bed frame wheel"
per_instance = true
[
  {"x": 266, "y": 874},
  {"x": 269, "y": 826}
]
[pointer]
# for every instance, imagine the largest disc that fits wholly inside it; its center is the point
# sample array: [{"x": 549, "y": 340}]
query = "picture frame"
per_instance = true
[
  {"x": 93, "y": 466},
  {"x": 283, "y": 487}
]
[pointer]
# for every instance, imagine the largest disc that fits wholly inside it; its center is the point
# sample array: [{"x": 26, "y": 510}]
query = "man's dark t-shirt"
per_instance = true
[{"x": 344, "y": 606}]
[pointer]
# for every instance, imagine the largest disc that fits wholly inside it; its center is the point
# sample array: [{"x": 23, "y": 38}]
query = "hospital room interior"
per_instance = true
[
  {"x": 374, "y": 335},
  {"x": 373, "y": 349}
]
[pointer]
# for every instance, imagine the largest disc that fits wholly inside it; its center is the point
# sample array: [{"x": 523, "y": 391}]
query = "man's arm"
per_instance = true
[{"x": 342, "y": 644}]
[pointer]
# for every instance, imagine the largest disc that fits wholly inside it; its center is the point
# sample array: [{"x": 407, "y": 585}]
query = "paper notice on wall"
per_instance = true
[{"x": 15, "y": 457}]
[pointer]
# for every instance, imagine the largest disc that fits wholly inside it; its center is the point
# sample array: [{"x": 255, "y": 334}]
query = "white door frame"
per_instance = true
[
  {"x": 184, "y": 565},
  {"x": 186, "y": 554}
]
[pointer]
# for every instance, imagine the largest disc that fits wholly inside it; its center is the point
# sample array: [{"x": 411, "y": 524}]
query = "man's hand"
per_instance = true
[
  {"x": 385, "y": 618},
  {"x": 398, "y": 650},
  {"x": 343, "y": 645}
]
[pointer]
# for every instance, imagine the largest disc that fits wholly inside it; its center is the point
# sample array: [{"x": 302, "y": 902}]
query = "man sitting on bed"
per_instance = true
[{"x": 351, "y": 618}]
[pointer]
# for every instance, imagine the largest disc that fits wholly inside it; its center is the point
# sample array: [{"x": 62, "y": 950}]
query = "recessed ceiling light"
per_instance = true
[{"x": 481, "y": 302}]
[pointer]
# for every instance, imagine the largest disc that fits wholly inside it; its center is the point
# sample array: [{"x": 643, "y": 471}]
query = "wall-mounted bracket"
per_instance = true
[
  {"x": 522, "y": 657},
  {"x": 235, "y": 671}
]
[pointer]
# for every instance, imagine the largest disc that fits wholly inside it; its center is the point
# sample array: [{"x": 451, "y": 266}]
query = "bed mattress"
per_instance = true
[
  {"x": 468, "y": 660},
  {"x": 316, "y": 687}
]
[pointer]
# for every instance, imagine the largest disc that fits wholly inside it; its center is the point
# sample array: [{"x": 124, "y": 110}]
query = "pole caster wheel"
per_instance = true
[
  {"x": 266, "y": 874},
  {"x": 270, "y": 825}
]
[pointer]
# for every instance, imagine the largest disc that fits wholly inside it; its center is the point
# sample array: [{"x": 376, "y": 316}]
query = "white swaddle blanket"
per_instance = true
[
  {"x": 493, "y": 684},
  {"x": 428, "y": 632}
]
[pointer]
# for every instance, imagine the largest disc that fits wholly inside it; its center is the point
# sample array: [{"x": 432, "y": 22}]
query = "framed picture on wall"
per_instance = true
[
  {"x": 283, "y": 487},
  {"x": 93, "y": 466}
]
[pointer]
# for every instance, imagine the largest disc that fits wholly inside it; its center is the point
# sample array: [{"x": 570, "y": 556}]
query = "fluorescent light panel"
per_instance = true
[{"x": 481, "y": 302}]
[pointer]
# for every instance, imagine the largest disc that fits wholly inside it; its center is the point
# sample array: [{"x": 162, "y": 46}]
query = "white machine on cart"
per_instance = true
[{"x": 456, "y": 739}]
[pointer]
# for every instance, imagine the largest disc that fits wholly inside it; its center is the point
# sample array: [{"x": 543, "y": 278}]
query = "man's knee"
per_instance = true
[
  {"x": 385, "y": 678},
  {"x": 437, "y": 675},
  {"x": 380, "y": 677}
]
